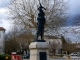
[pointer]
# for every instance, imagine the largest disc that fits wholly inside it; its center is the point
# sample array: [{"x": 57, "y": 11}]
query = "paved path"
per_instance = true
[
  {"x": 65, "y": 59},
  {"x": 25, "y": 59},
  {"x": 52, "y": 59},
  {"x": 57, "y": 59},
  {"x": 72, "y": 58}
]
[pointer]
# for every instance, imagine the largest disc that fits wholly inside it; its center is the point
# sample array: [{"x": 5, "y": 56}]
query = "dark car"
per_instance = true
[{"x": 26, "y": 56}]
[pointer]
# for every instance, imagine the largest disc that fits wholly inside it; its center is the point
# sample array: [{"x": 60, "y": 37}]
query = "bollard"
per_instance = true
[{"x": 68, "y": 57}]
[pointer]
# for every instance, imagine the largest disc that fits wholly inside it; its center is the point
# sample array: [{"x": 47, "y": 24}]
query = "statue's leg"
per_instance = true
[
  {"x": 37, "y": 36},
  {"x": 42, "y": 34},
  {"x": 38, "y": 33}
]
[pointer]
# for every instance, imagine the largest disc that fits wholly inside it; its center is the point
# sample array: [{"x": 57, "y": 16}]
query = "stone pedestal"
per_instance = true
[
  {"x": 68, "y": 57},
  {"x": 39, "y": 51}
]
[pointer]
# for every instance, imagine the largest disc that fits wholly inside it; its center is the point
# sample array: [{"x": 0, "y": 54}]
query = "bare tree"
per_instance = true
[
  {"x": 24, "y": 13},
  {"x": 52, "y": 47},
  {"x": 11, "y": 46},
  {"x": 19, "y": 39},
  {"x": 70, "y": 47},
  {"x": 10, "y": 43},
  {"x": 67, "y": 45},
  {"x": 77, "y": 19}
]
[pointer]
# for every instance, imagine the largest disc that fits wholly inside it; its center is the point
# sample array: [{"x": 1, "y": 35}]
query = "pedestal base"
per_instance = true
[
  {"x": 39, "y": 41},
  {"x": 39, "y": 51}
]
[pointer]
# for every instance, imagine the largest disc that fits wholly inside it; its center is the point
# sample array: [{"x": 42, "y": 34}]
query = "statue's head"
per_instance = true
[{"x": 41, "y": 7}]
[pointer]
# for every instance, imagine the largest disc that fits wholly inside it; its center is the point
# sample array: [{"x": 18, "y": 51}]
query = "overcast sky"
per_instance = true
[
  {"x": 74, "y": 8},
  {"x": 3, "y": 19}
]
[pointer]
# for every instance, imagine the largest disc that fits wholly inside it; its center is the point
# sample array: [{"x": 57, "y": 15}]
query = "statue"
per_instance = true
[{"x": 41, "y": 22}]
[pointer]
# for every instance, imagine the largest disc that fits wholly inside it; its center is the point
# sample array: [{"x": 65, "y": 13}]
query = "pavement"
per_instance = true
[
  {"x": 63, "y": 58},
  {"x": 50, "y": 59},
  {"x": 25, "y": 59}
]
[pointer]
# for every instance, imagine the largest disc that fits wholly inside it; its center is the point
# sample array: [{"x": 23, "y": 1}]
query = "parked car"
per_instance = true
[
  {"x": 26, "y": 56},
  {"x": 74, "y": 54}
]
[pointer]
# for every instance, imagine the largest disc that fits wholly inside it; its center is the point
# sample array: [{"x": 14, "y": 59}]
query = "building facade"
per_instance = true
[
  {"x": 2, "y": 42},
  {"x": 55, "y": 44}
]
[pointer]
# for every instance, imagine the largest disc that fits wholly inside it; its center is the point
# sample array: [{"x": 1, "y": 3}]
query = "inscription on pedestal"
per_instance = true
[{"x": 42, "y": 55}]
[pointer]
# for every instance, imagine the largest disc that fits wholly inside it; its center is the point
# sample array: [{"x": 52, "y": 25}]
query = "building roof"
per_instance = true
[{"x": 1, "y": 28}]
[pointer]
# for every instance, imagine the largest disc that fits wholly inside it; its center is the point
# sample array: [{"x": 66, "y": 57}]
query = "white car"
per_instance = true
[{"x": 74, "y": 54}]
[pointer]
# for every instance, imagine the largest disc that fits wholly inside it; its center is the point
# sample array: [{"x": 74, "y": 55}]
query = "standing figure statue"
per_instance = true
[{"x": 41, "y": 22}]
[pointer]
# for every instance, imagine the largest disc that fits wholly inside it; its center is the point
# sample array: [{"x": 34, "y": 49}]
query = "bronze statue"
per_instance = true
[{"x": 41, "y": 22}]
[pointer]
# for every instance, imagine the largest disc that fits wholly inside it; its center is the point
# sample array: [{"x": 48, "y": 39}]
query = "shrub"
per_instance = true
[
  {"x": 59, "y": 55},
  {"x": 2, "y": 57},
  {"x": 5, "y": 57}
]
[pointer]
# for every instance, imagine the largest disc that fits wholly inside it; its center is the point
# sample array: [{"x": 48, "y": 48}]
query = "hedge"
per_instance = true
[{"x": 5, "y": 57}]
